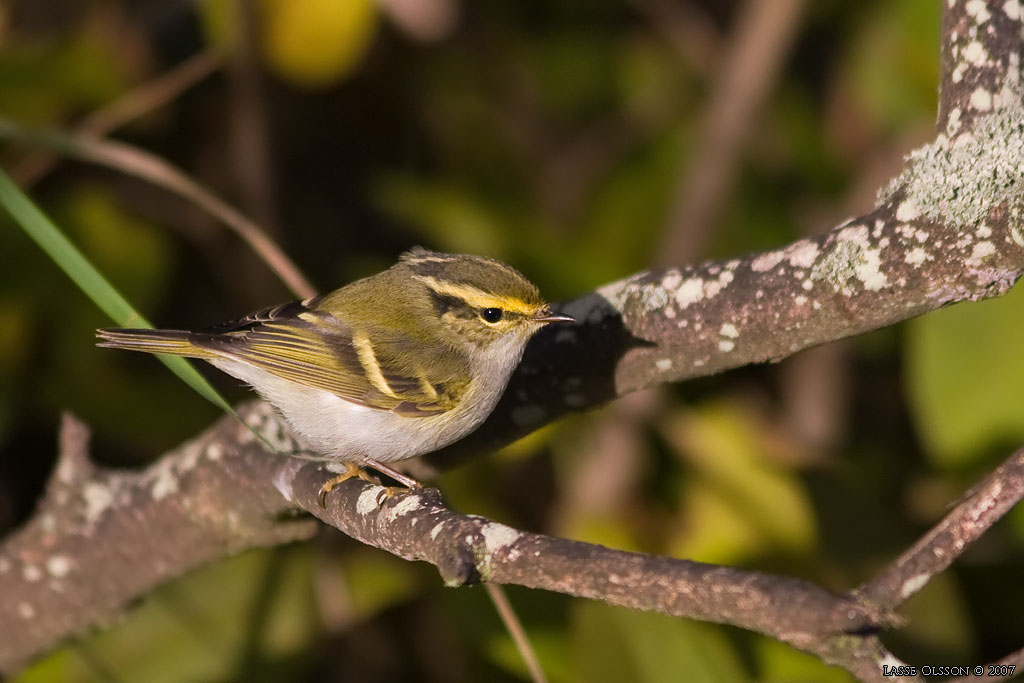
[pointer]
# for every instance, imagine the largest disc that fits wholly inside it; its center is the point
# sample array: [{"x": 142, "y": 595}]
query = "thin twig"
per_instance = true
[
  {"x": 982, "y": 507},
  {"x": 686, "y": 27},
  {"x": 753, "y": 58},
  {"x": 250, "y": 657},
  {"x": 250, "y": 133},
  {"x": 132, "y": 105},
  {"x": 515, "y": 629},
  {"x": 142, "y": 164}
]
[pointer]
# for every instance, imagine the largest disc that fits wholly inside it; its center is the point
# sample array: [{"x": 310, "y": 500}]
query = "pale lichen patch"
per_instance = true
[
  {"x": 959, "y": 182},
  {"x": 800, "y": 254},
  {"x": 408, "y": 504},
  {"x": 857, "y": 234},
  {"x": 981, "y": 99},
  {"x": 953, "y": 122},
  {"x": 652, "y": 298},
  {"x": 726, "y": 345},
  {"x": 58, "y": 566},
  {"x": 97, "y": 499},
  {"x": 958, "y": 72},
  {"x": 907, "y": 211},
  {"x": 367, "y": 501},
  {"x": 690, "y": 292},
  {"x": 975, "y": 53},
  {"x": 852, "y": 257},
  {"x": 498, "y": 536},
  {"x": 917, "y": 256},
  {"x": 978, "y": 10},
  {"x": 982, "y": 250},
  {"x": 635, "y": 294},
  {"x": 1015, "y": 234},
  {"x": 869, "y": 270},
  {"x": 713, "y": 287},
  {"x": 1014, "y": 9},
  {"x": 664, "y": 364},
  {"x": 164, "y": 483},
  {"x": 762, "y": 263},
  {"x": 729, "y": 330},
  {"x": 803, "y": 253}
]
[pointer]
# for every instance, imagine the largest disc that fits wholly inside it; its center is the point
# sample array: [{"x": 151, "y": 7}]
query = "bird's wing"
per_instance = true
[{"x": 298, "y": 343}]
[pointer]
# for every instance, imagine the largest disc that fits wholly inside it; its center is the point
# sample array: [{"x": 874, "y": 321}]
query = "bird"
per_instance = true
[{"x": 392, "y": 366}]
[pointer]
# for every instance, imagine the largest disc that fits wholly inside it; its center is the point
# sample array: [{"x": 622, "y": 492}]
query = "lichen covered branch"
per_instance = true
[
  {"x": 949, "y": 228},
  {"x": 469, "y": 549},
  {"x": 102, "y": 538}
]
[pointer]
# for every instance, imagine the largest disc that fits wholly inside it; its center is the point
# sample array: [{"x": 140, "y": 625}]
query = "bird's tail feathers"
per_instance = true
[{"x": 170, "y": 342}]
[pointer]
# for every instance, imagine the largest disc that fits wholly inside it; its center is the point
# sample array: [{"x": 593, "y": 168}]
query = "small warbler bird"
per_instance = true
[{"x": 392, "y": 366}]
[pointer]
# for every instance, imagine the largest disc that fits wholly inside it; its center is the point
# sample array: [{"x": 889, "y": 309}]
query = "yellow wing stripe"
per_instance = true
[
  {"x": 426, "y": 386},
  {"x": 475, "y": 297},
  {"x": 368, "y": 359}
]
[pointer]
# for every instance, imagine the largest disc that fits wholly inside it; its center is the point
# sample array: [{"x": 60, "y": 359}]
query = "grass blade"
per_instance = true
[{"x": 41, "y": 229}]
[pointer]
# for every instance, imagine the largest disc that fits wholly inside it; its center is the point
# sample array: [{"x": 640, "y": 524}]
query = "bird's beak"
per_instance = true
[{"x": 546, "y": 315}]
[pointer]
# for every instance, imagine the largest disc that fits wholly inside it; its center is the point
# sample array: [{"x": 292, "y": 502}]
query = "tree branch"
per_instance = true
[
  {"x": 979, "y": 509},
  {"x": 101, "y": 538},
  {"x": 224, "y": 492},
  {"x": 950, "y": 228}
]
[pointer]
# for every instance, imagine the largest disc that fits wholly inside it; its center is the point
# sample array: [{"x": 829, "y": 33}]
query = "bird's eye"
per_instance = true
[{"x": 491, "y": 315}]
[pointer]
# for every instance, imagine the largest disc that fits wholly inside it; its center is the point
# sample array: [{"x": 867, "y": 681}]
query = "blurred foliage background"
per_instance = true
[{"x": 558, "y": 137}]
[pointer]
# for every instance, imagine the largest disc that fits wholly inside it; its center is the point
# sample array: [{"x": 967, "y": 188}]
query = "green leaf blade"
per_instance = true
[{"x": 42, "y": 230}]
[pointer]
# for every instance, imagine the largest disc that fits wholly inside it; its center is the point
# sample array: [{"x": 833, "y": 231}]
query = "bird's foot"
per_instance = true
[{"x": 353, "y": 470}]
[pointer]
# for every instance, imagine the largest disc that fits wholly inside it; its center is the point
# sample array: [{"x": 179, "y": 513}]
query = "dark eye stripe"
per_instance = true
[{"x": 445, "y": 303}]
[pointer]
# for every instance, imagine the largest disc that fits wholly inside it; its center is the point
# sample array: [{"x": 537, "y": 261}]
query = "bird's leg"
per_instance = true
[
  {"x": 403, "y": 479},
  {"x": 353, "y": 470}
]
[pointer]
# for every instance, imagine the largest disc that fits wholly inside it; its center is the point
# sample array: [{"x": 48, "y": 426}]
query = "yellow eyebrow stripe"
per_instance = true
[
  {"x": 477, "y": 298},
  {"x": 368, "y": 359}
]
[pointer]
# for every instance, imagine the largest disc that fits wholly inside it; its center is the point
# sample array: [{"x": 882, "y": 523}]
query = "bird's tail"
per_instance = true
[{"x": 171, "y": 342}]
